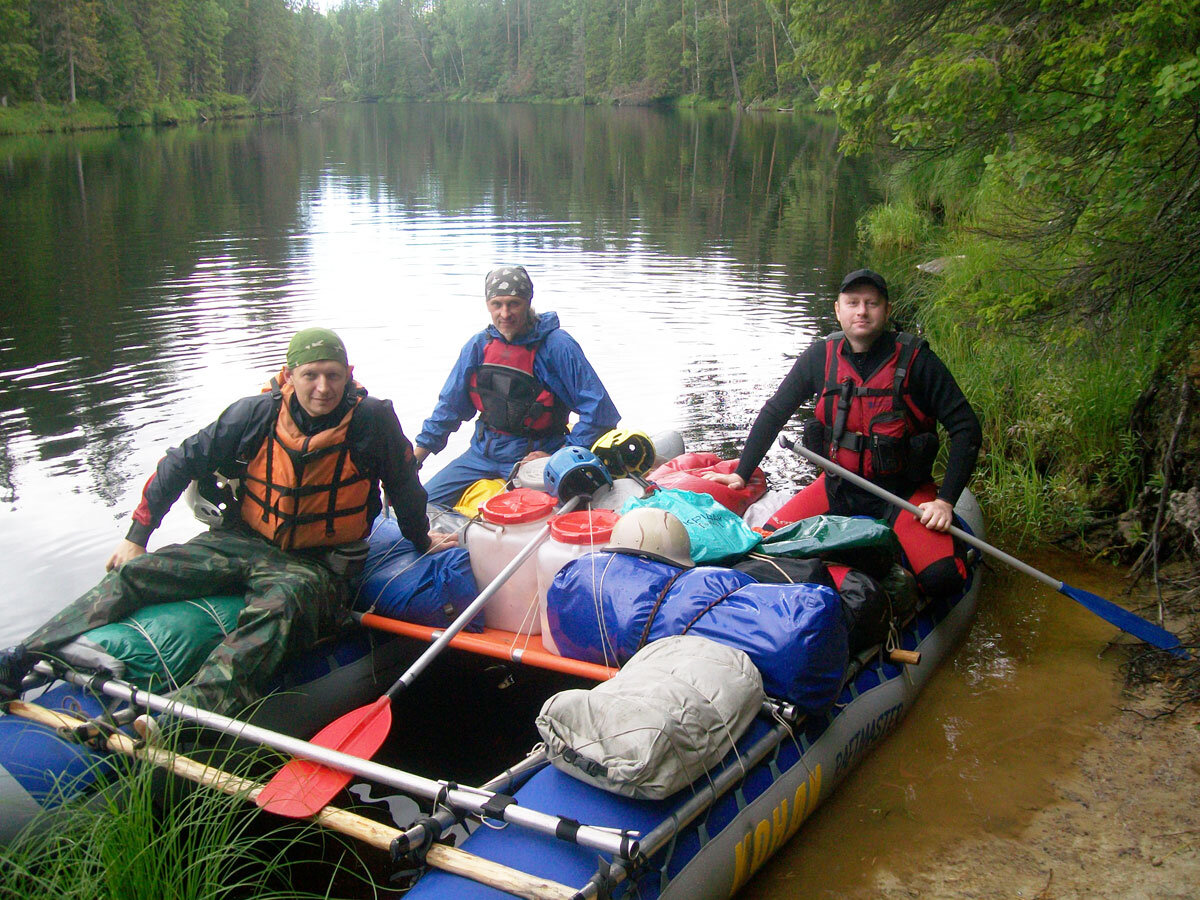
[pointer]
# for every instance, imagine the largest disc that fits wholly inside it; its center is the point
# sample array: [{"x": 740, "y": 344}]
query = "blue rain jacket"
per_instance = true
[{"x": 560, "y": 365}]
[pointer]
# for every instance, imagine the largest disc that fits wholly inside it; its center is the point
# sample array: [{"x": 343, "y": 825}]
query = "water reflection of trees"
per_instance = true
[
  {"x": 104, "y": 234},
  {"x": 768, "y": 189}
]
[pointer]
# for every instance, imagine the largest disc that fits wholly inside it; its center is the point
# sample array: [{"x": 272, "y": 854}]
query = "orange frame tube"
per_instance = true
[{"x": 492, "y": 642}]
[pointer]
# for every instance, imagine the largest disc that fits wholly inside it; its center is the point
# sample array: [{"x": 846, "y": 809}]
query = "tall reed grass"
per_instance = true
[{"x": 146, "y": 835}]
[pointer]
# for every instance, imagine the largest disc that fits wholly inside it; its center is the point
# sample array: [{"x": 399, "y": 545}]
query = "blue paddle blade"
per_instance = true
[{"x": 1126, "y": 621}]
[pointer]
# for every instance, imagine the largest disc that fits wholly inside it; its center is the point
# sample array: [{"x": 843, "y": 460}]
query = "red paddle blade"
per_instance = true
[{"x": 303, "y": 788}]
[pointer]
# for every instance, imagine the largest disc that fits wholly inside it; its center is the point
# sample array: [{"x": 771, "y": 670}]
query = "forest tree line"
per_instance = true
[
  {"x": 284, "y": 53},
  {"x": 131, "y": 54},
  {"x": 1045, "y": 153}
]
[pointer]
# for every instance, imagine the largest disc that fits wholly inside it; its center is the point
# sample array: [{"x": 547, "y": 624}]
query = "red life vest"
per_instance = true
[
  {"x": 304, "y": 490},
  {"x": 509, "y": 398},
  {"x": 869, "y": 421}
]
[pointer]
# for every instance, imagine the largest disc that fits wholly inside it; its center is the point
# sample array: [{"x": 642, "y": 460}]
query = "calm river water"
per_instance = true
[{"x": 149, "y": 278}]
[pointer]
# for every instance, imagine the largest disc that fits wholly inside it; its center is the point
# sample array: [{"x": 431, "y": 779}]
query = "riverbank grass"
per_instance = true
[
  {"x": 28, "y": 118},
  {"x": 87, "y": 115},
  {"x": 1055, "y": 388},
  {"x": 1056, "y": 407},
  {"x": 147, "y": 834}
]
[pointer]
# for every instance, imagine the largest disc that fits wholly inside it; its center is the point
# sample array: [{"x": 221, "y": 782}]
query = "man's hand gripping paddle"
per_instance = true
[
  {"x": 302, "y": 787},
  {"x": 1105, "y": 609}
]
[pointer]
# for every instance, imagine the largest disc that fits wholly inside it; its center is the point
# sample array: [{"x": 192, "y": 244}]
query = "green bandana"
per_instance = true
[{"x": 313, "y": 344}]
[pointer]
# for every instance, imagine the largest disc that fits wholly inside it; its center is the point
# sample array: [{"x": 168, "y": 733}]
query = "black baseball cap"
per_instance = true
[{"x": 873, "y": 278}]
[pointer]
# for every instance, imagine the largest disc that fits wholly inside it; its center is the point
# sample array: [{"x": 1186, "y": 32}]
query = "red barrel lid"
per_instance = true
[
  {"x": 517, "y": 507},
  {"x": 592, "y": 526}
]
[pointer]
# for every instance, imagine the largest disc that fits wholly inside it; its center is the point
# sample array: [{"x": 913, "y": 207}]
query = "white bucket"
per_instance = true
[
  {"x": 510, "y": 522},
  {"x": 571, "y": 536},
  {"x": 532, "y": 474}
]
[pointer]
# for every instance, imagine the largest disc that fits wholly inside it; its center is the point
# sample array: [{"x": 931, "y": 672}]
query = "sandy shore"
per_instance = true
[{"x": 1125, "y": 823}]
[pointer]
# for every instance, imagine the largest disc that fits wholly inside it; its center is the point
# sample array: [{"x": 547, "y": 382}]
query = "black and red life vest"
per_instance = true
[
  {"x": 509, "y": 398},
  {"x": 304, "y": 490},
  {"x": 870, "y": 421}
]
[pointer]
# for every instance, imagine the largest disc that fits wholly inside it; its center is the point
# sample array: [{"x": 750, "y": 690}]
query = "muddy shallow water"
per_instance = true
[{"x": 986, "y": 751}]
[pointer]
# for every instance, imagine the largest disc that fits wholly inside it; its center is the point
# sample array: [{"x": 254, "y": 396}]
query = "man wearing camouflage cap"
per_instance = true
[
  {"x": 523, "y": 376},
  {"x": 310, "y": 452}
]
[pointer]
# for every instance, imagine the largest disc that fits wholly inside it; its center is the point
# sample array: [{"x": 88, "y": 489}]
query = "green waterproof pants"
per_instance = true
[{"x": 291, "y": 600}]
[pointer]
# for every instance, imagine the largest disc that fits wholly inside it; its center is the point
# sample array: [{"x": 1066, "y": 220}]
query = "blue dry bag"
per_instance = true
[{"x": 399, "y": 583}]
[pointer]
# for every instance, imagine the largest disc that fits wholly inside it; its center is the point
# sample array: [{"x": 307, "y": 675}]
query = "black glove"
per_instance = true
[{"x": 15, "y": 662}]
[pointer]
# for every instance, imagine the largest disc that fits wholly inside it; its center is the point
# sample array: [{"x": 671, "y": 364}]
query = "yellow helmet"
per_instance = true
[{"x": 625, "y": 452}]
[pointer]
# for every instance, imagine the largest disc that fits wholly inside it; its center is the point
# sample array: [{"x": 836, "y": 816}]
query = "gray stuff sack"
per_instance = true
[{"x": 671, "y": 714}]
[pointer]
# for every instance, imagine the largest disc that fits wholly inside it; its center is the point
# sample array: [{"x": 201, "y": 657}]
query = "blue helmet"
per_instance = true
[{"x": 573, "y": 472}]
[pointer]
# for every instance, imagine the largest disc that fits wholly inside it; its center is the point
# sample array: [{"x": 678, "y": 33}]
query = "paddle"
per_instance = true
[
  {"x": 303, "y": 787},
  {"x": 1110, "y": 612}
]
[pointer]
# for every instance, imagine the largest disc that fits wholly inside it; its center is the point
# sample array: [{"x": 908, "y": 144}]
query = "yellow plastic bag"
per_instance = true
[{"x": 478, "y": 494}]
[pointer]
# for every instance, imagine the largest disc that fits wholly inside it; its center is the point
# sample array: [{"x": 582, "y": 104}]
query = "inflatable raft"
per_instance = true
[
  {"x": 561, "y": 837},
  {"x": 708, "y": 840}
]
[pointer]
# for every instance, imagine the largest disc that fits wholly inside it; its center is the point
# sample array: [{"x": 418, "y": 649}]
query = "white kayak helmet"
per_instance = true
[
  {"x": 211, "y": 499},
  {"x": 655, "y": 533}
]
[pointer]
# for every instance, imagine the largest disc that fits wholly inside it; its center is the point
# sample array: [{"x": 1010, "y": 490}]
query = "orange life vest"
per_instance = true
[
  {"x": 870, "y": 421},
  {"x": 304, "y": 490},
  {"x": 508, "y": 396}
]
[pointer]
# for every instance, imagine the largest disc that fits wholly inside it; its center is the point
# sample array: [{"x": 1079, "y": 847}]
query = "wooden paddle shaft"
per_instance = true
[
  {"x": 905, "y": 657},
  {"x": 477, "y": 604},
  {"x": 448, "y": 859}
]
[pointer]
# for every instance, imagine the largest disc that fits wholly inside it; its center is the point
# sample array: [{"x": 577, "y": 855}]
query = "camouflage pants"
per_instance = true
[{"x": 291, "y": 600}]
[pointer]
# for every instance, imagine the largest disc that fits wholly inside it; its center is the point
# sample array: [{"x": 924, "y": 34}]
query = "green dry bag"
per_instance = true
[
  {"x": 861, "y": 543},
  {"x": 162, "y": 646}
]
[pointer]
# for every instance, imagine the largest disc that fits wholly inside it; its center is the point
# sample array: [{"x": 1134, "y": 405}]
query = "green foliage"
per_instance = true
[
  {"x": 895, "y": 227},
  {"x": 128, "y": 85},
  {"x": 18, "y": 59},
  {"x": 134, "y": 55},
  {"x": 204, "y": 26},
  {"x": 1044, "y": 156},
  {"x": 147, "y": 834},
  {"x": 1055, "y": 401},
  {"x": 1084, "y": 114},
  {"x": 631, "y": 51}
]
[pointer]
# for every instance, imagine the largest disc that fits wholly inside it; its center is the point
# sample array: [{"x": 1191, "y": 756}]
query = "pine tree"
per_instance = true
[{"x": 18, "y": 59}]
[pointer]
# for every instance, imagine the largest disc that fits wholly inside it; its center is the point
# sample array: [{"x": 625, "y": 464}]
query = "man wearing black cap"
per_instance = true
[
  {"x": 310, "y": 453},
  {"x": 523, "y": 376},
  {"x": 880, "y": 395}
]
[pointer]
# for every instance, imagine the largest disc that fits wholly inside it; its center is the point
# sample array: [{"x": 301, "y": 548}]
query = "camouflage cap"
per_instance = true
[
  {"x": 508, "y": 281},
  {"x": 314, "y": 344}
]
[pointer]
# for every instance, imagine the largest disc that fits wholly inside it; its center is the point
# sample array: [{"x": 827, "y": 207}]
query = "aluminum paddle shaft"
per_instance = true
[
  {"x": 1105, "y": 609},
  {"x": 434, "y": 649},
  {"x": 472, "y": 800},
  {"x": 303, "y": 787}
]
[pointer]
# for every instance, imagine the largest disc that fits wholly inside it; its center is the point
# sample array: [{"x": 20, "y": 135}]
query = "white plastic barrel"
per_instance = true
[
  {"x": 667, "y": 446},
  {"x": 614, "y": 497},
  {"x": 510, "y": 521},
  {"x": 571, "y": 536}
]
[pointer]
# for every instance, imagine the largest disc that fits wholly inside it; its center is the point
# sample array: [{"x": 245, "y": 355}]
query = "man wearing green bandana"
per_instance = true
[{"x": 310, "y": 453}]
